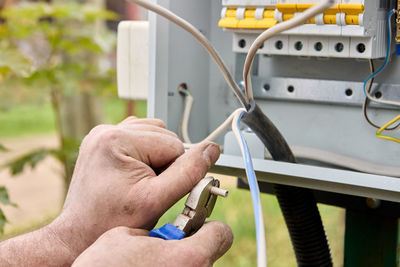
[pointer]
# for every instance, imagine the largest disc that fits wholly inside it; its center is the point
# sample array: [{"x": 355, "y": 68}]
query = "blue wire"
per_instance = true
[
  {"x": 387, "y": 54},
  {"x": 183, "y": 91},
  {"x": 251, "y": 177}
]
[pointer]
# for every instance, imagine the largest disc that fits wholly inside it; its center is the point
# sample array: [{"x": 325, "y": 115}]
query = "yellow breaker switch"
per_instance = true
[
  {"x": 330, "y": 15},
  {"x": 352, "y": 12},
  {"x": 249, "y": 21},
  {"x": 287, "y": 10},
  {"x": 304, "y": 7},
  {"x": 230, "y": 20},
  {"x": 268, "y": 20}
]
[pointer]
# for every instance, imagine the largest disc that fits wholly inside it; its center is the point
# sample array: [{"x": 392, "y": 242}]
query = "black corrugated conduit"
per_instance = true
[{"x": 298, "y": 205}]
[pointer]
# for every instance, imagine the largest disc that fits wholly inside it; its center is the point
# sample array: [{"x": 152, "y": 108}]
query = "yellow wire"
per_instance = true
[{"x": 379, "y": 135}]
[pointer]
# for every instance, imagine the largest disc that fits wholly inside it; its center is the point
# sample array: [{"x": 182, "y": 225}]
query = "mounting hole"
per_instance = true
[
  {"x": 298, "y": 45},
  {"x": 261, "y": 46},
  {"x": 378, "y": 94},
  {"x": 242, "y": 43},
  {"x": 290, "y": 88},
  {"x": 348, "y": 92},
  {"x": 266, "y": 87},
  {"x": 339, "y": 47},
  {"x": 318, "y": 46},
  {"x": 361, "y": 48},
  {"x": 279, "y": 44}
]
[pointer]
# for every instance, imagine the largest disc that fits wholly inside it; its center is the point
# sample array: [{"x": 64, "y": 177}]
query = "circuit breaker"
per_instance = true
[{"x": 350, "y": 29}]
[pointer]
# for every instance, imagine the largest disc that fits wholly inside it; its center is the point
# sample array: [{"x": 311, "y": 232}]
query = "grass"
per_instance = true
[
  {"x": 236, "y": 211},
  {"x": 26, "y": 119},
  {"x": 29, "y": 119}
]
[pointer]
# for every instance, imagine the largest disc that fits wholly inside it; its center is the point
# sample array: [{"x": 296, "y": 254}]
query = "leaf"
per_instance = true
[
  {"x": 3, "y": 221},
  {"x": 13, "y": 60},
  {"x": 4, "y": 197},
  {"x": 3, "y": 148},
  {"x": 33, "y": 158}
]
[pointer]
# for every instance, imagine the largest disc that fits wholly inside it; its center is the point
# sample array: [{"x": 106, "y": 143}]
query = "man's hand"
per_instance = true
[
  {"x": 115, "y": 181},
  {"x": 125, "y": 175},
  {"x": 125, "y": 247}
]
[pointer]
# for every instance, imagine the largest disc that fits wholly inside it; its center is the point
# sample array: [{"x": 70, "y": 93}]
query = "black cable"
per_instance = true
[
  {"x": 366, "y": 102},
  {"x": 298, "y": 205}
]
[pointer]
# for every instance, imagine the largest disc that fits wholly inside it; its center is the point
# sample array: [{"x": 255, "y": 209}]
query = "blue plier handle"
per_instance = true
[{"x": 198, "y": 207}]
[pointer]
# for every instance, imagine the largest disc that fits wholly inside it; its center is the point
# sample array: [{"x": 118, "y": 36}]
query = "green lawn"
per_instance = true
[
  {"x": 29, "y": 119},
  {"x": 236, "y": 211}
]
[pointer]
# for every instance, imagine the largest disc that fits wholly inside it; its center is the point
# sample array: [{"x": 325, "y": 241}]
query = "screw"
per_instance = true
[
  {"x": 218, "y": 191},
  {"x": 373, "y": 203}
]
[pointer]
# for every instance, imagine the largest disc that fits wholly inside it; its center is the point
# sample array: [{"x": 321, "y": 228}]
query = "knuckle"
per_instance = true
[
  {"x": 108, "y": 136},
  {"x": 159, "y": 123},
  {"x": 99, "y": 128}
]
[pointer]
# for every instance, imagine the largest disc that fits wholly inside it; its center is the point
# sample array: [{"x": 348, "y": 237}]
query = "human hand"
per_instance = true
[
  {"x": 115, "y": 182},
  {"x": 124, "y": 246}
]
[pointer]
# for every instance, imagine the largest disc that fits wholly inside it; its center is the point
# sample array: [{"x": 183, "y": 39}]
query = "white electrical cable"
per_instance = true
[
  {"x": 201, "y": 38},
  {"x": 185, "y": 119},
  {"x": 254, "y": 190},
  {"x": 278, "y": 28},
  {"x": 217, "y": 132}
]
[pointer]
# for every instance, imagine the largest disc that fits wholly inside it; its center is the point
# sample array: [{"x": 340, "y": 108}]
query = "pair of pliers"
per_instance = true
[{"x": 198, "y": 207}]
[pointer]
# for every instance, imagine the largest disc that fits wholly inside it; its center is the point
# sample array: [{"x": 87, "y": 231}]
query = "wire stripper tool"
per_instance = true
[{"x": 198, "y": 207}]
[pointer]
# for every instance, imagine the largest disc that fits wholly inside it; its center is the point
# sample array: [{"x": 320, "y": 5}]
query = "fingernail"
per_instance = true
[{"x": 211, "y": 153}]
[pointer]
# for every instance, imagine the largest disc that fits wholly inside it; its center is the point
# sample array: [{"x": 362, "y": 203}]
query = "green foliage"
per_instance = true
[
  {"x": 5, "y": 200},
  {"x": 3, "y": 148},
  {"x": 68, "y": 152},
  {"x": 17, "y": 166},
  {"x": 51, "y": 45},
  {"x": 57, "y": 48},
  {"x": 4, "y": 197}
]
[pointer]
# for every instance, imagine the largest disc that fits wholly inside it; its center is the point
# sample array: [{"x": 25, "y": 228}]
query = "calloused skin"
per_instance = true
[{"x": 125, "y": 178}]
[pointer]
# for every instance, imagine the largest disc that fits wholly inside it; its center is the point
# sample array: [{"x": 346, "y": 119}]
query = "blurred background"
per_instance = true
[{"x": 57, "y": 81}]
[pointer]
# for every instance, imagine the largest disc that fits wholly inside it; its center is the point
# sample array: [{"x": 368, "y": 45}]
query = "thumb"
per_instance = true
[
  {"x": 212, "y": 240},
  {"x": 183, "y": 174}
]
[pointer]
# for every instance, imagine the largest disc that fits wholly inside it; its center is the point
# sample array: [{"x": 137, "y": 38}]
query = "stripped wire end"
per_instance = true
[{"x": 183, "y": 90}]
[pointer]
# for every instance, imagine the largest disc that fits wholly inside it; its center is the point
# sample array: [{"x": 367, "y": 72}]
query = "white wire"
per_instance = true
[
  {"x": 278, "y": 28},
  {"x": 217, "y": 132},
  {"x": 201, "y": 38},
  {"x": 255, "y": 191},
  {"x": 185, "y": 119}
]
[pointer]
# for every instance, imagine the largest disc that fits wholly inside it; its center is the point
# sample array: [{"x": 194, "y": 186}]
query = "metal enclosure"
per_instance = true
[{"x": 306, "y": 97}]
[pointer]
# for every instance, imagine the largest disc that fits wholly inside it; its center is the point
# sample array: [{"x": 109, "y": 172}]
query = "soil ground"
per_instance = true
[{"x": 38, "y": 192}]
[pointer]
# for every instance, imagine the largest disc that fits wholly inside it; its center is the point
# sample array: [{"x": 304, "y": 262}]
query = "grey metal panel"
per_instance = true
[
  {"x": 331, "y": 180},
  {"x": 332, "y": 127}
]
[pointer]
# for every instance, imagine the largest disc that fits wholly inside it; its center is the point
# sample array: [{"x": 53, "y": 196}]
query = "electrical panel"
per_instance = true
[
  {"x": 315, "y": 98},
  {"x": 350, "y": 29}
]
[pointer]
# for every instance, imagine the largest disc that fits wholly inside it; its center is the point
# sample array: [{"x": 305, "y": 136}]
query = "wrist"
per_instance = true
[{"x": 67, "y": 233}]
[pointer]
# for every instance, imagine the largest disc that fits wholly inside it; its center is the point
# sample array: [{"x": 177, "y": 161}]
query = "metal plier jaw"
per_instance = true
[{"x": 198, "y": 207}]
